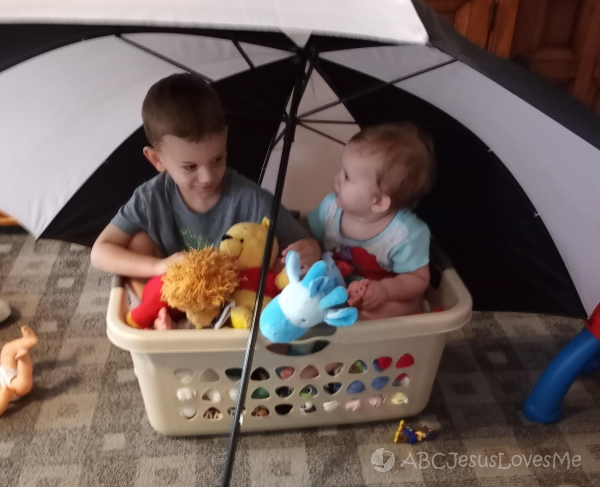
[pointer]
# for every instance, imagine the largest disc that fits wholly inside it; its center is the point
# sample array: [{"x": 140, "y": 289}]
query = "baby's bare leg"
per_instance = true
[
  {"x": 23, "y": 382},
  {"x": 391, "y": 309},
  {"x": 8, "y": 356},
  {"x": 141, "y": 244},
  {"x": 6, "y": 395}
]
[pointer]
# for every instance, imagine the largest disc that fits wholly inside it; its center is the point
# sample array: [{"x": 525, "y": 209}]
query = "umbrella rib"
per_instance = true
[
  {"x": 321, "y": 133},
  {"x": 165, "y": 58},
  {"x": 257, "y": 73},
  {"x": 375, "y": 88},
  {"x": 311, "y": 66},
  {"x": 274, "y": 141},
  {"x": 244, "y": 54},
  {"x": 342, "y": 122},
  {"x": 193, "y": 71}
]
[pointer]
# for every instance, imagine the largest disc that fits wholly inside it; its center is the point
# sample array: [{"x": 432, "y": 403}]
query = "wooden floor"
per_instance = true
[{"x": 7, "y": 221}]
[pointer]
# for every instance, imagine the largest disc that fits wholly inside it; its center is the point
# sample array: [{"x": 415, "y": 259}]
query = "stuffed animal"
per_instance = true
[
  {"x": 246, "y": 243},
  {"x": 305, "y": 303},
  {"x": 196, "y": 287}
]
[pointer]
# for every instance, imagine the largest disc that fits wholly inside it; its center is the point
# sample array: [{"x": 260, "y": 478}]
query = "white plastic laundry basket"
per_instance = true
[{"x": 185, "y": 373}]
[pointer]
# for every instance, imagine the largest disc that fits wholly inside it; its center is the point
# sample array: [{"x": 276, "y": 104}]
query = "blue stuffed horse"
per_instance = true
[{"x": 305, "y": 303}]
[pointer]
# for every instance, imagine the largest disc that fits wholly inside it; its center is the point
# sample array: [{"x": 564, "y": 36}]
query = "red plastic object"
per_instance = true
[
  {"x": 405, "y": 361},
  {"x": 593, "y": 323}
]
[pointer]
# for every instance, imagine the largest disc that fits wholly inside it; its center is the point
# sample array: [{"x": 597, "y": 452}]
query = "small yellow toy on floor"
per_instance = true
[
  {"x": 246, "y": 243},
  {"x": 16, "y": 368}
]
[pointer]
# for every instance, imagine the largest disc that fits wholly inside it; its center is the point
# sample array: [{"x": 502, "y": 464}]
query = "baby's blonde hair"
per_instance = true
[{"x": 405, "y": 160}]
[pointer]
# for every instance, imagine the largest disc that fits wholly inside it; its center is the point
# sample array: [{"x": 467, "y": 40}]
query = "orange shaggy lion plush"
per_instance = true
[{"x": 198, "y": 286}]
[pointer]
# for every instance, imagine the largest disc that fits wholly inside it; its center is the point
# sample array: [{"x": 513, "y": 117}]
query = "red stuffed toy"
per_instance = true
[{"x": 145, "y": 314}]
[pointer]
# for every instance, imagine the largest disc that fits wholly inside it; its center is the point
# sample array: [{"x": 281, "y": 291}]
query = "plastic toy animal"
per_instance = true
[{"x": 305, "y": 303}]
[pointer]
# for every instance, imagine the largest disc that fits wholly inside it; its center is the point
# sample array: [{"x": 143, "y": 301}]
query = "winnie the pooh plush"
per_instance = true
[{"x": 246, "y": 243}]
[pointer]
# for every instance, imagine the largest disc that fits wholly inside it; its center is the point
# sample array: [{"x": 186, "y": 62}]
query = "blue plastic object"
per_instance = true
[
  {"x": 580, "y": 356},
  {"x": 355, "y": 387}
]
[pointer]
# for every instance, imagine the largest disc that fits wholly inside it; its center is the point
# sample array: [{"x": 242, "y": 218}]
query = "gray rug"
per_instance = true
[{"x": 84, "y": 423}]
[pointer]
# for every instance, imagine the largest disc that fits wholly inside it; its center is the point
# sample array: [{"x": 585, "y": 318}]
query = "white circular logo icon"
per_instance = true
[{"x": 383, "y": 461}]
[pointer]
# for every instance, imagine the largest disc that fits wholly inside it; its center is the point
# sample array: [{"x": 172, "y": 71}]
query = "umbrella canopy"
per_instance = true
[{"x": 514, "y": 204}]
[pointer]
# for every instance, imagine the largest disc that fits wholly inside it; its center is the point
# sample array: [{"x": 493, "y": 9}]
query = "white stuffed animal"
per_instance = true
[{"x": 4, "y": 310}]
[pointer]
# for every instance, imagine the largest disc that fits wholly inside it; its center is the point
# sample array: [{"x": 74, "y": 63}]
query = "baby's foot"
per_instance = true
[
  {"x": 30, "y": 336},
  {"x": 356, "y": 291},
  {"x": 22, "y": 352},
  {"x": 163, "y": 321}
]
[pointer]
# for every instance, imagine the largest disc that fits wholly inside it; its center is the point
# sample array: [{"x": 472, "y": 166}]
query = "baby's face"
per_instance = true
[
  {"x": 196, "y": 167},
  {"x": 356, "y": 183}
]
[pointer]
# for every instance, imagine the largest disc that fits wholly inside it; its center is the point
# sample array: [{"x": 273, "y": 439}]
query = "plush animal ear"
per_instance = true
[
  {"x": 320, "y": 285},
  {"x": 339, "y": 295},
  {"x": 292, "y": 266},
  {"x": 317, "y": 269},
  {"x": 265, "y": 222},
  {"x": 341, "y": 317}
]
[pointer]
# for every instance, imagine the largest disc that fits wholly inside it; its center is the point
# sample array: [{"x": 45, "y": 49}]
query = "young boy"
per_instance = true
[
  {"x": 368, "y": 223},
  {"x": 195, "y": 199}
]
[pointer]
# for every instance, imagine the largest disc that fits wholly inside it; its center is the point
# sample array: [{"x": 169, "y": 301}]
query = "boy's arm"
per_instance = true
[{"x": 110, "y": 254}]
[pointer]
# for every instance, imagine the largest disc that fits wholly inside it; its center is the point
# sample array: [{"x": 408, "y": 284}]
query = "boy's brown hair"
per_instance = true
[
  {"x": 182, "y": 105},
  {"x": 405, "y": 159}
]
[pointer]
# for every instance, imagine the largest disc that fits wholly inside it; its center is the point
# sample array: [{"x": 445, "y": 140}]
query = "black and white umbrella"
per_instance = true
[{"x": 515, "y": 205}]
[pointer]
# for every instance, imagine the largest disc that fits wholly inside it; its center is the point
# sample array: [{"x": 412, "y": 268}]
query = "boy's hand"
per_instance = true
[
  {"x": 163, "y": 264},
  {"x": 375, "y": 295},
  {"x": 309, "y": 251}
]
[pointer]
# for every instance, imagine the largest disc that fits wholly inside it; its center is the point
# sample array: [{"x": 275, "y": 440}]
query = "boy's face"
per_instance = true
[
  {"x": 196, "y": 167},
  {"x": 356, "y": 188}
]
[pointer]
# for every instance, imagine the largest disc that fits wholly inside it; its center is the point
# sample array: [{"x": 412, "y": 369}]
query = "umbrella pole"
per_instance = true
[{"x": 291, "y": 123}]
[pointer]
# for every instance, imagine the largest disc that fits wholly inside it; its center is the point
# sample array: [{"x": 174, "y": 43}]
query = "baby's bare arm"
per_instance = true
[
  {"x": 111, "y": 254},
  {"x": 408, "y": 286}
]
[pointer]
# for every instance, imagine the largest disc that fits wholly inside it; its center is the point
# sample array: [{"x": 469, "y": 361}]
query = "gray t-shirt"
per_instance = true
[{"x": 157, "y": 208}]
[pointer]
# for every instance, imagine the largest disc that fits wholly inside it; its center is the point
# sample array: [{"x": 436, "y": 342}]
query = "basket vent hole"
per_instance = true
[
  {"x": 334, "y": 368},
  {"x": 405, "y": 361},
  {"x": 260, "y": 393},
  {"x": 260, "y": 374},
  {"x": 184, "y": 376},
  {"x": 213, "y": 414},
  {"x": 353, "y": 405},
  {"x": 209, "y": 375},
  {"x": 285, "y": 372},
  {"x": 309, "y": 372},
  {"x": 358, "y": 367},
  {"x": 211, "y": 395},
  {"x": 234, "y": 374},
  {"x": 382, "y": 363},
  {"x": 231, "y": 410},
  {"x": 233, "y": 394},
  {"x": 401, "y": 381},
  {"x": 379, "y": 383},
  {"x": 330, "y": 406},
  {"x": 188, "y": 412},
  {"x": 284, "y": 391},
  {"x": 332, "y": 387},
  {"x": 308, "y": 391},
  {"x": 307, "y": 408},
  {"x": 376, "y": 401},
  {"x": 399, "y": 398},
  {"x": 298, "y": 351},
  {"x": 260, "y": 412},
  {"x": 355, "y": 387},
  {"x": 283, "y": 409}
]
